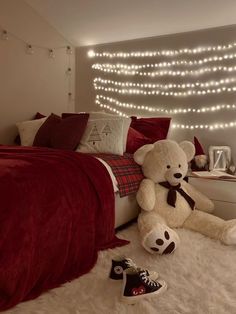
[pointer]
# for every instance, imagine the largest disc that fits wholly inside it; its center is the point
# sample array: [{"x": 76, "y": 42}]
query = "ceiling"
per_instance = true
[{"x": 89, "y": 22}]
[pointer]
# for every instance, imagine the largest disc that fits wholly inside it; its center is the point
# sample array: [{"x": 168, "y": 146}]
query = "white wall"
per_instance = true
[
  {"x": 30, "y": 83},
  {"x": 86, "y": 94}
]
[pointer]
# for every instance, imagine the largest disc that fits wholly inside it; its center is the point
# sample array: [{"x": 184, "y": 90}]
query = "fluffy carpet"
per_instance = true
[{"x": 201, "y": 278}]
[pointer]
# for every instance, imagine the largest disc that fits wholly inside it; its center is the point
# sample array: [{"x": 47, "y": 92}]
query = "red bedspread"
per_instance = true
[{"x": 54, "y": 217}]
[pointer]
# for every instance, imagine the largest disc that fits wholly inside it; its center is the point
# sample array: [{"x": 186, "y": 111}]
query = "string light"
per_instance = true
[
  {"x": 198, "y": 66},
  {"x": 166, "y": 111},
  {"x": 4, "y": 35},
  {"x": 166, "y": 64},
  {"x": 51, "y": 54},
  {"x": 29, "y": 49},
  {"x": 214, "y": 126},
  {"x": 69, "y": 71},
  {"x": 164, "y": 86},
  {"x": 69, "y": 50},
  {"x": 120, "y": 113},
  {"x": 190, "y": 92},
  {"x": 196, "y": 72},
  {"x": 169, "y": 53},
  {"x": 211, "y": 127}
]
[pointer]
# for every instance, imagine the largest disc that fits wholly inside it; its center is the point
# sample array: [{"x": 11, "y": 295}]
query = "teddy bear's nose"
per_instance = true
[{"x": 177, "y": 175}]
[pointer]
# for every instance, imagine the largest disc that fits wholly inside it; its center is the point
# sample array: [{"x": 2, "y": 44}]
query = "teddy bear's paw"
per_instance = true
[
  {"x": 230, "y": 233},
  {"x": 161, "y": 240}
]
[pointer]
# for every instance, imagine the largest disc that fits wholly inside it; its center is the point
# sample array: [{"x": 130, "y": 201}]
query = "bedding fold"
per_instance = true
[{"x": 54, "y": 215}]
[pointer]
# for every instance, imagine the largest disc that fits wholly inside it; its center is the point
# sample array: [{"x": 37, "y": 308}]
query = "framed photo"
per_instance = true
[{"x": 219, "y": 157}]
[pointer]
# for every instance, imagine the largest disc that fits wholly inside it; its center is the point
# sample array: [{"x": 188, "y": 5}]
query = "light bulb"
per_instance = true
[
  {"x": 4, "y": 35},
  {"x": 91, "y": 54},
  {"x": 69, "y": 71},
  {"x": 29, "y": 49},
  {"x": 69, "y": 50},
  {"x": 51, "y": 53}
]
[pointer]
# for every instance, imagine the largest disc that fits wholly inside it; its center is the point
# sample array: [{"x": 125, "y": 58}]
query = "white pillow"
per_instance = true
[
  {"x": 102, "y": 136},
  {"x": 104, "y": 115},
  {"x": 28, "y": 130}
]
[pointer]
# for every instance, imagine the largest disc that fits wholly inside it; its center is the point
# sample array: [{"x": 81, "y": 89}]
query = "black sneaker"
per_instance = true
[
  {"x": 137, "y": 286},
  {"x": 120, "y": 264}
]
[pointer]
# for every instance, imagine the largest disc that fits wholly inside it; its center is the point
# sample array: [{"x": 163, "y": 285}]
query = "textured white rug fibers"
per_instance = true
[{"x": 201, "y": 279}]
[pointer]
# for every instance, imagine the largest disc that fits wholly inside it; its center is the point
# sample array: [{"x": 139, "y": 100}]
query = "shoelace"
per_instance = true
[
  {"x": 147, "y": 280},
  {"x": 130, "y": 263}
]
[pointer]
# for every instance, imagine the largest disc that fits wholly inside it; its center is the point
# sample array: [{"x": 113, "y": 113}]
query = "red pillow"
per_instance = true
[
  {"x": 135, "y": 140},
  {"x": 68, "y": 133},
  {"x": 38, "y": 115},
  {"x": 44, "y": 134},
  {"x": 69, "y": 114},
  {"x": 153, "y": 128}
]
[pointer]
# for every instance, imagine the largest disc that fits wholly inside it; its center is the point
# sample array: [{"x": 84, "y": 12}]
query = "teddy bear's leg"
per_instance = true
[
  {"x": 156, "y": 236},
  {"x": 212, "y": 226}
]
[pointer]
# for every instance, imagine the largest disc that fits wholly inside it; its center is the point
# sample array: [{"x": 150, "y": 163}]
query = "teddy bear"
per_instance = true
[{"x": 168, "y": 201}]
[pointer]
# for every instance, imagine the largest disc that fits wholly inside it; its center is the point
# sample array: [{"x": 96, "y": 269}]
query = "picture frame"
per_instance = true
[{"x": 219, "y": 157}]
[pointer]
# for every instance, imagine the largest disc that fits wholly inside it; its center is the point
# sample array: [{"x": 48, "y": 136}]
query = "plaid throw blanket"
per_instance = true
[{"x": 128, "y": 174}]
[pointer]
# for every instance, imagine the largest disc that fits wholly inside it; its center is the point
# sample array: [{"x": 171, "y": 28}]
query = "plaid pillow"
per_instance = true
[{"x": 128, "y": 174}]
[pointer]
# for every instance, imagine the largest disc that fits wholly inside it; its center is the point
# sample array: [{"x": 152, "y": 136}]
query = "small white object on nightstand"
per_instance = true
[
  {"x": 220, "y": 190},
  {"x": 219, "y": 157}
]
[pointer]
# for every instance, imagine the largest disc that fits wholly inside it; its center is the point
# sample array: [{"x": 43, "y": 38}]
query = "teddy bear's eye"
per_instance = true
[
  {"x": 168, "y": 166},
  {"x": 179, "y": 166}
]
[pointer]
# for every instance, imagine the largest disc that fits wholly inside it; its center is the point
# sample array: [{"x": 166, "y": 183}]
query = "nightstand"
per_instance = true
[{"x": 221, "y": 191}]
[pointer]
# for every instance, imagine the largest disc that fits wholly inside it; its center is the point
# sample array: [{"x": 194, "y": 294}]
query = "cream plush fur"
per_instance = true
[{"x": 167, "y": 161}]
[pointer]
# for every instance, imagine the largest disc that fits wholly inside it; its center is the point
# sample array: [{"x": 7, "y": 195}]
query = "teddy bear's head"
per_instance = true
[{"x": 165, "y": 160}]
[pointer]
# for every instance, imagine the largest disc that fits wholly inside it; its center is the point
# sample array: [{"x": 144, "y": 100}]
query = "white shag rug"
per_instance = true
[{"x": 201, "y": 278}]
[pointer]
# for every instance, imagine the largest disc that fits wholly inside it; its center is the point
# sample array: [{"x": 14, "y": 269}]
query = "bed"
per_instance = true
[
  {"x": 63, "y": 193},
  {"x": 56, "y": 215},
  {"x": 52, "y": 232}
]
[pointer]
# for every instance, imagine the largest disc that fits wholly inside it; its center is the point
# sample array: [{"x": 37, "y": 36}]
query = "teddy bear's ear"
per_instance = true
[
  {"x": 188, "y": 148},
  {"x": 140, "y": 154}
]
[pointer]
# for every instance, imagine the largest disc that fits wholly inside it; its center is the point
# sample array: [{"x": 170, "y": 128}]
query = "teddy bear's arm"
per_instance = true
[
  {"x": 146, "y": 196},
  {"x": 201, "y": 201}
]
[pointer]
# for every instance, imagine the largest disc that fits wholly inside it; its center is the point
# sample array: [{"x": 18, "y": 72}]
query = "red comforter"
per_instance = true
[{"x": 54, "y": 217}]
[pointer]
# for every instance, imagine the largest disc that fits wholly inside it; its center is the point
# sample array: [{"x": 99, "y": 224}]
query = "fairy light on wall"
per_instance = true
[
  {"x": 120, "y": 113},
  {"x": 165, "y": 86},
  {"x": 51, "y": 52},
  {"x": 166, "y": 111},
  {"x": 196, "y": 72},
  {"x": 189, "y": 92},
  {"x": 169, "y": 53},
  {"x": 184, "y": 73},
  {"x": 166, "y": 64},
  {"x": 211, "y": 127}
]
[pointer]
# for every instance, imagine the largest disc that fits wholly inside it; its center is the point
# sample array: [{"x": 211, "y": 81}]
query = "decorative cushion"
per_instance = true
[
  {"x": 68, "y": 132},
  {"x": 38, "y": 115},
  {"x": 43, "y": 136},
  {"x": 135, "y": 140},
  {"x": 153, "y": 128},
  {"x": 103, "y": 136},
  {"x": 28, "y": 130},
  {"x": 103, "y": 115}
]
